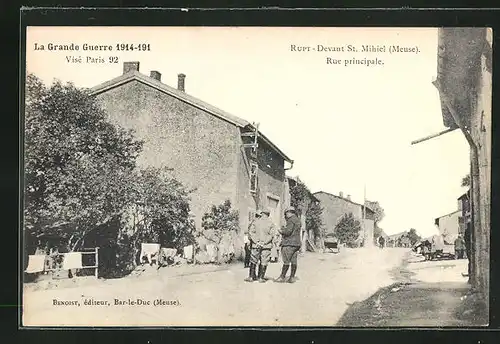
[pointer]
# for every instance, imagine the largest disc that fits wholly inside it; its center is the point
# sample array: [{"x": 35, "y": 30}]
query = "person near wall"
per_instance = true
[
  {"x": 468, "y": 247},
  {"x": 290, "y": 246},
  {"x": 247, "y": 241},
  {"x": 381, "y": 242},
  {"x": 459, "y": 247},
  {"x": 261, "y": 235}
]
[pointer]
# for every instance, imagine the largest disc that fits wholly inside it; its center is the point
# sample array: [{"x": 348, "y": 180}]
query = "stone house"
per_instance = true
[
  {"x": 336, "y": 206},
  {"x": 206, "y": 146},
  {"x": 398, "y": 240},
  {"x": 449, "y": 226},
  {"x": 464, "y": 84}
]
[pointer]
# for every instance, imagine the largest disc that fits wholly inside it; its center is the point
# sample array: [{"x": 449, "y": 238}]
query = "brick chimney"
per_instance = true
[
  {"x": 130, "y": 67},
  {"x": 181, "y": 80},
  {"x": 155, "y": 75},
  {"x": 341, "y": 194}
]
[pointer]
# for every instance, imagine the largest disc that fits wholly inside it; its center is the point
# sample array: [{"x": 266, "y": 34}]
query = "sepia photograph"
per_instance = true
[{"x": 256, "y": 176}]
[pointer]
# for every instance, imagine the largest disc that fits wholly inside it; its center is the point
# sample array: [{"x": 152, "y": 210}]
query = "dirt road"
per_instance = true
[{"x": 328, "y": 284}]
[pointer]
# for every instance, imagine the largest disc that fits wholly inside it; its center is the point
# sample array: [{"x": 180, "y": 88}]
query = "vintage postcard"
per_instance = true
[{"x": 256, "y": 176}]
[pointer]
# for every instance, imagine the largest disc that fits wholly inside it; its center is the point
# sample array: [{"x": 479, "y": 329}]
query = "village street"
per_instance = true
[{"x": 217, "y": 295}]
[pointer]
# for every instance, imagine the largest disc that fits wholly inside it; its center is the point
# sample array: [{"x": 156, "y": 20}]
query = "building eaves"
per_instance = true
[{"x": 459, "y": 51}]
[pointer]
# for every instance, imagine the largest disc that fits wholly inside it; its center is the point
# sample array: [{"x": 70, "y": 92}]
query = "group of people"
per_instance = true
[{"x": 264, "y": 241}]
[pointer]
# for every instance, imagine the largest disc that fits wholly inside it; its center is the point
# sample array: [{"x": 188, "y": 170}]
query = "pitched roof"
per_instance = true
[
  {"x": 453, "y": 212},
  {"x": 465, "y": 195},
  {"x": 344, "y": 199},
  {"x": 183, "y": 96},
  {"x": 397, "y": 235}
]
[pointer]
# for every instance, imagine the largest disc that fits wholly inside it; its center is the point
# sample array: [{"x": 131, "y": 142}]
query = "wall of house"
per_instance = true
[
  {"x": 449, "y": 226},
  {"x": 481, "y": 134},
  {"x": 334, "y": 208},
  {"x": 271, "y": 186},
  {"x": 201, "y": 149}
]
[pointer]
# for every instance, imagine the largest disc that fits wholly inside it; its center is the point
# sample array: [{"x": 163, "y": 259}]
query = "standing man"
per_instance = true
[
  {"x": 247, "y": 241},
  {"x": 381, "y": 241},
  {"x": 459, "y": 247},
  {"x": 290, "y": 245},
  {"x": 261, "y": 235},
  {"x": 468, "y": 247}
]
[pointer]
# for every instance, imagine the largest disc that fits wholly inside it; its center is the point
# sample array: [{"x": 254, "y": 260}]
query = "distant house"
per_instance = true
[
  {"x": 399, "y": 240},
  {"x": 203, "y": 144},
  {"x": 449, "y": 226},
  {"x": 336, "y": 206}
]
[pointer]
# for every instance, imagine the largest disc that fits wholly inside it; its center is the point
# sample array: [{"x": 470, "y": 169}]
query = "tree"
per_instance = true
[
  {"x": 413, "y": 236},
  {"x": 300, "y": 197},
  {"x": 78, "y": 166},
  {"x": 161, "y": 206},
  {"x": 466, "y": 182},
  {"x": 379, "y": 211},
  {"x": 314, "y": 220},
  {"x": 347, "y": 229},
  {"x": 220, "y": 220}
]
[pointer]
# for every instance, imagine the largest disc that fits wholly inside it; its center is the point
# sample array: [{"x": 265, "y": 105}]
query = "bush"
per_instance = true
[
  {"x": 77, "y": 165},
  {"x": 161, "y": 214},
  {"x": 347, "y": 230}
]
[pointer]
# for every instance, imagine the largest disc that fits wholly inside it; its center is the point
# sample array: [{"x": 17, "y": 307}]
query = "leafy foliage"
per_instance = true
[
  {"x": 219, "y": 221},
  {"x": 81, "y": 178},
  {"x": 161, "y": 209},
  {"x": 413, "y": 236},
  {"x": 299, "y": 197},
  {"x": 466, "y": 182},
  {"x": 347, "y": 229},
  {"x": 78, "y": 166},
  {"x": 379, "y": 211},
  {"x": 314, "y": 221}
]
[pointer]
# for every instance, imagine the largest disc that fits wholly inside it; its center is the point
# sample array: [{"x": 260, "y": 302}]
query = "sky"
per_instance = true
[{"x": 346, "y": 127}]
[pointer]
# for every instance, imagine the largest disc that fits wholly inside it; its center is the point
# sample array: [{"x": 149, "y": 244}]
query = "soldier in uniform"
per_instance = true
[
  {"x": 290, "y": 246},
  {"x": 459, "y": 247},
  {"x": 261, "y": 234},
  {"x": 247, "y": 242}
]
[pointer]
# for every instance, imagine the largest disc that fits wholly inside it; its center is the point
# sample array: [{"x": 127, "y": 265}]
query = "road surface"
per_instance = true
[{"x": 192, "y": 296}]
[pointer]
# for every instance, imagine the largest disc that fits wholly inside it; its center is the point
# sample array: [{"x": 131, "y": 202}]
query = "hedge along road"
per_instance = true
[{"x": 217, "y": 296}]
